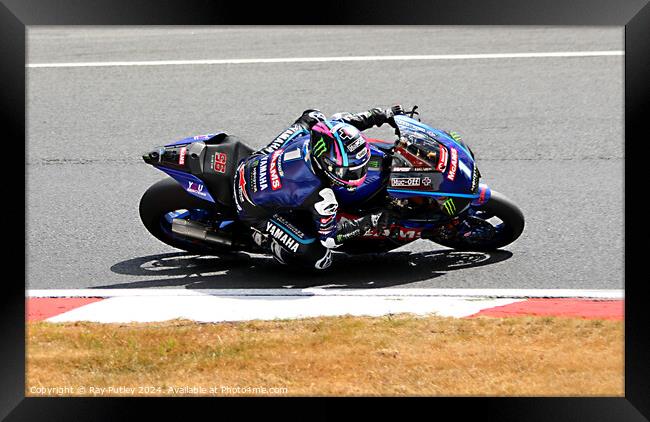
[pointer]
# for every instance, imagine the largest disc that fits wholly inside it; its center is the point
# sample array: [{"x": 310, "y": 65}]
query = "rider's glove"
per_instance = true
[
  {"x": 348, "y": 229},
  {"x": 310, "y": 118},
  {"x": 390, "y": 113}
]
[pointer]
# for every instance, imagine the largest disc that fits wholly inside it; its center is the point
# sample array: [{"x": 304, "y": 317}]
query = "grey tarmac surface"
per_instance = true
[{"x": 547, "y": 132}]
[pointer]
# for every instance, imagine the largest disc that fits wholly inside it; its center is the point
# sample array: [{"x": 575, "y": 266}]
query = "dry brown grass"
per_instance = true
[{"x": 395, "y": 355}]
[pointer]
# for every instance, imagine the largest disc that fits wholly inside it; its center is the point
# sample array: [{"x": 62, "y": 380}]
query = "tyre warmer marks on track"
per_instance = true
[{"x": 217, "y": 306}]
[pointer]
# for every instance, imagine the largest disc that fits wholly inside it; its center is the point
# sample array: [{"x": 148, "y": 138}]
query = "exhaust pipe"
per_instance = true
[{"x": 198, "y": 231}]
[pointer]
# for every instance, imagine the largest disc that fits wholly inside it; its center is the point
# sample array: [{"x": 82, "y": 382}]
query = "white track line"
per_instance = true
[
  {"x": 333, "y": 59},
  {"x": 389, "y": 292}
]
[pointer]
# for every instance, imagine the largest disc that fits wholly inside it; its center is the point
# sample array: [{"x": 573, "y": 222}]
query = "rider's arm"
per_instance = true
[
  {"x": 367, "y": 119},
  {"x": 301, "y": 126},
  {"x": 323, "y": 206}
]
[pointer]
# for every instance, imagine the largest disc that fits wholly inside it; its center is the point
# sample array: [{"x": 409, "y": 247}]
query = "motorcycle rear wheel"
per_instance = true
[{"x": 167, "y": 196}]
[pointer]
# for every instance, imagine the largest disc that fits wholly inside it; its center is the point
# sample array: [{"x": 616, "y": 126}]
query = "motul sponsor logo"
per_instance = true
[
  {"x": 451, "y": 175},
  {"x": 273, "y": 171},
  {"x": 442, "y": 159},
  {"x": 181, "y": 156}
]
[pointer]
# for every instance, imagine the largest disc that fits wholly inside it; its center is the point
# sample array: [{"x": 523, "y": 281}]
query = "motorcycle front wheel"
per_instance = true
[{"x": 487, "y": 227}]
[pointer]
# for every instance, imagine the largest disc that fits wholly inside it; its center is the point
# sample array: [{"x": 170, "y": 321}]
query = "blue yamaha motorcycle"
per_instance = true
[{"x": 427, "y": 179}]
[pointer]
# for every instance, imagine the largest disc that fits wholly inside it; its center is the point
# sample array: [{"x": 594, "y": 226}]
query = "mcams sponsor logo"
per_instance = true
[
  {"x": 273, "y": 171},
  {"x": 282, "y": 237},
  {"x": 405, "y": 181}
]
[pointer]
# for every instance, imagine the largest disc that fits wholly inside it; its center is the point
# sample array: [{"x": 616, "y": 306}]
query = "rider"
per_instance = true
[{"x": 284, "y": 190}]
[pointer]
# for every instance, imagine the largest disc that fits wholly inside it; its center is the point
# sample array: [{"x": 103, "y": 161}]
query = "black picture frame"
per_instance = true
[{"x": 15, "y": 15}]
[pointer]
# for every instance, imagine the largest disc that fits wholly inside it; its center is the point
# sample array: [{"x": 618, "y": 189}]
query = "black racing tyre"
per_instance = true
[
  {"x": 505, "y": 210},
  {"x": 165, "y": 196}
]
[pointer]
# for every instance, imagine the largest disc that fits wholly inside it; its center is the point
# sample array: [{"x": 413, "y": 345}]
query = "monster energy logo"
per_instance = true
[
  {"x": 320, "y": 148},
  {"x": 449, "y": 206}
]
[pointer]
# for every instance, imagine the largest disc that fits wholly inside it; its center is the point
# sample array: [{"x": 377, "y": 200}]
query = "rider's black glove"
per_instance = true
[
  {"x": 310, "y": 118},
  {"x": 390, "y": 113}
]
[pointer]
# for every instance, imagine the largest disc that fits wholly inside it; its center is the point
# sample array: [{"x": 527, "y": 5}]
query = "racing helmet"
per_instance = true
[{"x": 341, "y": 152}]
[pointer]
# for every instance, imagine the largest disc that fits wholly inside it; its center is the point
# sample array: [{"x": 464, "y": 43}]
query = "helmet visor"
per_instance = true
[{"x": 349, "y": 175}]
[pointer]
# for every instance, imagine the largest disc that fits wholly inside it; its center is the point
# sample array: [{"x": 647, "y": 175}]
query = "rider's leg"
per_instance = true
[{"x": 292, "y": 244}]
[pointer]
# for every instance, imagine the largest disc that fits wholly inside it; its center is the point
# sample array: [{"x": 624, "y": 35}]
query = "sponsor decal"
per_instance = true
[
  {"x": 426, "y": 181},
  {"x": 449, "y": 206},
  {"x": 196, "y": 188},
  {"x": 403, "y": 233},
  {"x": 203, "y": 137},
  {"x": 356, "y": 144},
  {"x": 292, "y": 155},
  {"x": 290, "y": 226},
  {"x": 276, "y": 183},
  {"x": 326, "y": 220},
  {"x": 263, "y": 173},
  {"x": 181, "y": 156},
  {"x": 474, "y": 179},
  {"x": 455, "y": 136},
  {"x": 241, "y": 186},
  {"x": 405, "y": 181},
  {"x": 481, "y": 197},
  {"x": 220, "y": 160},
  {"x": 282, "y": 236},
  {"x": 411, "y": 169},
  {"x": 282, "y": 138},
  {"x": 253, "y": 178},
  {"x": 373, "y": 165},
  {"x": 451, "y": 175},
  {"x": 408, "y": 234},
  {"x": 442, "y": 159},
  {"x": 319, "y": 147},
  {"x": 345, "y": 133},
  {"x": 362, "y": 153}
]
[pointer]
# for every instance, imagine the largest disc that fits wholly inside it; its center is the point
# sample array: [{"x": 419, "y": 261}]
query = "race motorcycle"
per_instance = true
[{"x": 427, "y": 180}]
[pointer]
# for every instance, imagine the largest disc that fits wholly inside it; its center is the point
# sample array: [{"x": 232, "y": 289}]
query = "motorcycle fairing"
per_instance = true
[
  {"x": 207, "y": 137},
  {"x": 459, "y": 178},
  {"x": 192, "y": 184}
]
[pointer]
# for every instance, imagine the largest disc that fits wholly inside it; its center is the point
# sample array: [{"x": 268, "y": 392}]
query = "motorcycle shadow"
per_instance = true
[{"x": 242, "y": 271}]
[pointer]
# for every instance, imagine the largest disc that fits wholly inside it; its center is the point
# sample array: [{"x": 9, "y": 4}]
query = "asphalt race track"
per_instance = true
[{"x": 547, "y": 132}]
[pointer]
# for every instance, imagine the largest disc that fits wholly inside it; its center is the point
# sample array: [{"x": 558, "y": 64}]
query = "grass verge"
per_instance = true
[{"x": 392, "y": 355}]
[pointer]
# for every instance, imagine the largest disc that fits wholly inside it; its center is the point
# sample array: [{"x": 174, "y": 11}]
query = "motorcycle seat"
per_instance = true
[{"x": 222, "y": 156}]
